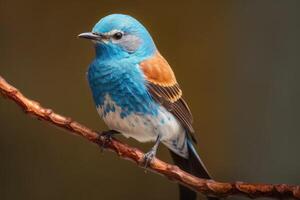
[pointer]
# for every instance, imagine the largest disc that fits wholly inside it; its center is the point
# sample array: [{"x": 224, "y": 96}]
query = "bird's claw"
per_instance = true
[
  {"x": 107, "y": 138},
  {"x": 148, "y": 157}
]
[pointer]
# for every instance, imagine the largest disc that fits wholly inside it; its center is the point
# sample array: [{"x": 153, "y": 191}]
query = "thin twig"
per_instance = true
[{"x": 206, "y": 187}]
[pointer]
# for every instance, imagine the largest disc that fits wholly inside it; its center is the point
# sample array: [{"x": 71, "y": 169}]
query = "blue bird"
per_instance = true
[{"x": 137, "y": 95}]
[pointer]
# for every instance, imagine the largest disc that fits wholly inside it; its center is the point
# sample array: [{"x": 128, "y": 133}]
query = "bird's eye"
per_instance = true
[{"x": 118, "y": 35}]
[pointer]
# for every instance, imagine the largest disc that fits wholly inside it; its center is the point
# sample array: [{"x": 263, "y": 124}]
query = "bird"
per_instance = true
[{"x": 136, "y": 93}]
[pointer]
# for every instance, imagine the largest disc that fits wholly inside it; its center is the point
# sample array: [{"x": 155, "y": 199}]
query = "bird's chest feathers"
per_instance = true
[{"x": 124, "y": 84}]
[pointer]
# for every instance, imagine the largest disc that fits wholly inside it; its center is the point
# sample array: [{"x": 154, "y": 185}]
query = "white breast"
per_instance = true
[{"x": 145, "y": 127}]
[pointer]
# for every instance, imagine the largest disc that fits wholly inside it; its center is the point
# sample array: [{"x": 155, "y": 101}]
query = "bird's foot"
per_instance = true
[
  {"x": 107, "y": 138},
  {"x": 148, "y": 157}
]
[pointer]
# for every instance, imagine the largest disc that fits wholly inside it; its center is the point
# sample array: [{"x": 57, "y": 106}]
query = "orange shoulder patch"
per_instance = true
[{"x": 158, "y": 71}]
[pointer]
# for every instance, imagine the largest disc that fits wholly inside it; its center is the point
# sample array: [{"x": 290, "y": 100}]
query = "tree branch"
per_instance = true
[{"x": 174, "y": 173}]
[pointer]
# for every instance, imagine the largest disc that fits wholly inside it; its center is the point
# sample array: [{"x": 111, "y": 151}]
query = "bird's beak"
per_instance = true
[{"x": 90, "y": 36}]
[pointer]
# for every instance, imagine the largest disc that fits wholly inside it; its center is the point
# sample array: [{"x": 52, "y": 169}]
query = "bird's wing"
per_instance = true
[{"x": 163, "y": 87}]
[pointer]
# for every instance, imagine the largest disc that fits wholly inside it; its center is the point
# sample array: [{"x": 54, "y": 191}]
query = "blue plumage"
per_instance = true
[
  {"x": 124, "y": 83},
  {"x": 136, "y": 93},
  {"x": 120, "y": 88},
  {"x": 115, "y": 71}
]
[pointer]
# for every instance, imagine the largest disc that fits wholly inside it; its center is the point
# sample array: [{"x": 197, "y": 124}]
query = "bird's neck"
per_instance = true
[{"x": 107, "y": 52}]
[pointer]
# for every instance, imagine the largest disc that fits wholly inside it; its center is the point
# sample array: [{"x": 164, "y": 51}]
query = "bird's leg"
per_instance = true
[
  {"x": 107, "y": 137},
  {"x": 151, "y": 154}
]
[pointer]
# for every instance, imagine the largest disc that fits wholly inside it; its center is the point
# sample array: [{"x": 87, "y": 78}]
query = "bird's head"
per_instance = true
[{"x": 120, "y": 36}]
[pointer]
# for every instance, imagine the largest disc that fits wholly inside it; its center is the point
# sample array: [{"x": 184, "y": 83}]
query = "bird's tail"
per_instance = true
[{"x": 193, "y": 165}]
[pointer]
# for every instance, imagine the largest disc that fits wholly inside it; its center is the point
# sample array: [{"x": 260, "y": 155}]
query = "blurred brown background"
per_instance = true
[{"x": 237, "y": 62}]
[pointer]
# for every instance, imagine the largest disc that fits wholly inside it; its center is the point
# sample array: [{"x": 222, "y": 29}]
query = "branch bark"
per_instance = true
[{"x": 174, "y": 173}]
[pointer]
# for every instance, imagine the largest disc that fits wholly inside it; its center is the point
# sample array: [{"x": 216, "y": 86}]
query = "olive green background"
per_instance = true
[{"x": 236, "y": 61}]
